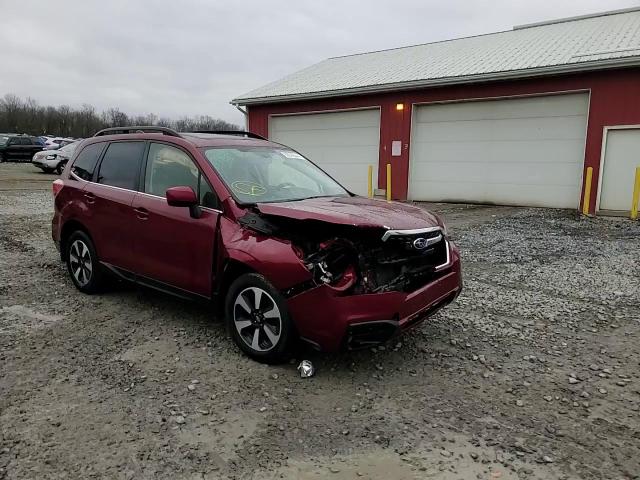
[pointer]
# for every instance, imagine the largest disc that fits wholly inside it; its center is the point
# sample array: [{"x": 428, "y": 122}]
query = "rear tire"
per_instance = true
[
  {"x": 82, "y": 263},
  {"x": 258, "y": 319}
]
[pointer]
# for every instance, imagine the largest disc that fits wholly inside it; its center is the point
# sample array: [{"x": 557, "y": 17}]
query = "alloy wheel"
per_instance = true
[
  {"x": 257, "y": 319},
  {"x": 80, "y": 262}
]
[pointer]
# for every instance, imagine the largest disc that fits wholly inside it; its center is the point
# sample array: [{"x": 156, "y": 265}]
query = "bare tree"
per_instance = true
[{"x": 29, "y": 117}]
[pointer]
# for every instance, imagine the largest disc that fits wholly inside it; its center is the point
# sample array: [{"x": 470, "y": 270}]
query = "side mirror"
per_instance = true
[{"x": 184, "y": 197}]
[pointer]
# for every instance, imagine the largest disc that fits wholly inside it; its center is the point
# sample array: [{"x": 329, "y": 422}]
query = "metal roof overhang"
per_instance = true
[{"x": 444, "y": 81}]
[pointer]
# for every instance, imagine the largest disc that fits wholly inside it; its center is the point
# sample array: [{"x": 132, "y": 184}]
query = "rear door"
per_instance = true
[
  {"x": 171, "y": 247},
  {"x": 109, "y": 198},
  {"x": 14, "y": 149},
  {"x": 22, "y": 149},
  {"x": 25, "y": 148}
]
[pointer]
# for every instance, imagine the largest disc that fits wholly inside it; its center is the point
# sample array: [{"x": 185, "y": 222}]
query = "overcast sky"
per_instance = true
[{"x": 191, "y": 57}]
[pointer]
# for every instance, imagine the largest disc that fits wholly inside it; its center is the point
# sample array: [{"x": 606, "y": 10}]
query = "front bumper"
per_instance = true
[
  {"x": 44, "y": 163},
  {"x": 331, "y": 322}
]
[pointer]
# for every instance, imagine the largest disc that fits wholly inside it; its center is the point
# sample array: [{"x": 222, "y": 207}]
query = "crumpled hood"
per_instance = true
[{"x": 357, "y": 211}]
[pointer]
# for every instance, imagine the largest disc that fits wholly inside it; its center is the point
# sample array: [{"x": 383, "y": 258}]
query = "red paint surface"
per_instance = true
[
  {"x": 615, "y": 100},
  {"x": 360, "y": 211},
  {"x": 323, "y": 315},
  {"x": 143, "y": 235}
]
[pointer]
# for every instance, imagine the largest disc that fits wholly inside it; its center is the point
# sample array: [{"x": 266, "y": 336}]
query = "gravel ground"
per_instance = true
[{"x": 532, "y": 373}]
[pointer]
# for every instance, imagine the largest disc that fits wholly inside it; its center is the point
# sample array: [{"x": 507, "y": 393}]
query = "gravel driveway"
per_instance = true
[{"x": 532, "y": 373}]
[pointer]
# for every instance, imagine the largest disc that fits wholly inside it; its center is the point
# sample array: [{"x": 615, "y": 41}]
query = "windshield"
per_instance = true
[
  {"x": 3, "y": 140},
  {"x": 267, "y": 174},
  {"x": 69, "y": 148}
]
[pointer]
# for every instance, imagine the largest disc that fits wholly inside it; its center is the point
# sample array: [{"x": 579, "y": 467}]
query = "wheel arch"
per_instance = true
[
  {"x": 67, "y": 230},
  {"x": 232, "y": 269}
]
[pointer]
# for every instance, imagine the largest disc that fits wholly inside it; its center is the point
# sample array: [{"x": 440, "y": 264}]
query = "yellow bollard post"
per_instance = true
[
  {"x": 587, "y": 191},
  {"x": 370, "y": 182},
  {"x": 388, "y": 182},
  {"x": 635, "y": 199}
]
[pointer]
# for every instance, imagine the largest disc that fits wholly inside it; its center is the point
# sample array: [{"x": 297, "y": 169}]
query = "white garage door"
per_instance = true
[
  {"x": 343, "y": 144},
  {"x": 525, "y": 151},
  {"x": 621, "y": 157}
]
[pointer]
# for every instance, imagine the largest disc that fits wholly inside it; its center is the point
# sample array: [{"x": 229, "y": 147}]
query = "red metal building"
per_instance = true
[{"x": 516, "y": 117}]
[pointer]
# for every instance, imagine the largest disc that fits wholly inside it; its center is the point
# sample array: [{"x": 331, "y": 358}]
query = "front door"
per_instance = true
[
  {"x": 171, "y": 246},
  {"x": 14, "y": 150}
]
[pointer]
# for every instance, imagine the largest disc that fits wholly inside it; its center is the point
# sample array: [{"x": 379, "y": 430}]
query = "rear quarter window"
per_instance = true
[{"x": 85, "y": 162}]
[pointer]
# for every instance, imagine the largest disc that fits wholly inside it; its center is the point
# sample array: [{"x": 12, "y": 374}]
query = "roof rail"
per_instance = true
[
  {"x": 232, "y": 132},
  {"x": 137, "y": 129}
]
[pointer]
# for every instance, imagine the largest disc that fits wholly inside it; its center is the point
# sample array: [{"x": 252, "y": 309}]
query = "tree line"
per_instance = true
[{"x": 27, "y": 116}]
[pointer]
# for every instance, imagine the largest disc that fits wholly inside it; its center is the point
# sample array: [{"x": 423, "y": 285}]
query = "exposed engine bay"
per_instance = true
[{"x": 356, "y": 260}]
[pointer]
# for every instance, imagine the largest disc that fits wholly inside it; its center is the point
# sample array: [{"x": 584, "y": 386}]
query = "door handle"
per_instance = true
[
  {"x": 141, "y": 213},
  {"x": 91, "y": 198}
]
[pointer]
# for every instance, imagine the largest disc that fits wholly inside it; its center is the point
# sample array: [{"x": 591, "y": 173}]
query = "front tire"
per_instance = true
[
  {"x": 82, "y": 263},
  {"x": 60, "y": 167},
  {"x": 258, "y": 319}
]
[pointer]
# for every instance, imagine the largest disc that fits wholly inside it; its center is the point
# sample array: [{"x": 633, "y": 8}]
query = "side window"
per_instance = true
[
  {"x": 207, "y": 196},
  {"x": 121, "y": 164},
  {"x": 170, "y": 167},
  {"x": 25, "y": 141},
  {"x": 85, "y": 162}
]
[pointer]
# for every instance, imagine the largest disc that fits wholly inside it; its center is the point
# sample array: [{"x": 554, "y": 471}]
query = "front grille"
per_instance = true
[
  {"x": 402, "y": 265},
  {"x": 404, "y": 247}
]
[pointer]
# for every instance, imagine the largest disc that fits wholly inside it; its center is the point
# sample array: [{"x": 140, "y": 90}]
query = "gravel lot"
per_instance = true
[{"x": 532, "y": 374}]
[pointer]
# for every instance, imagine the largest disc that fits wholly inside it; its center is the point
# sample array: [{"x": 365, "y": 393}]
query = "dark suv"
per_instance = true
[
  {"x": 17, "y": 147},
  {"x": 285, "y": 251}
]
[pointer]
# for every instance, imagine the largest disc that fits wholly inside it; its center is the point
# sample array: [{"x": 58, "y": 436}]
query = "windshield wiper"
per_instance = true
[{"x": 299, "y": 199}]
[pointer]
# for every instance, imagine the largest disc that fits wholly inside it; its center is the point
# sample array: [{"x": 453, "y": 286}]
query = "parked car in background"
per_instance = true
[
  {"x": 54, "y": 160},
  {"x": 283, "y": 250},
  {"x": 17, "y": 147},
  {"x": 57, "y": 142}
]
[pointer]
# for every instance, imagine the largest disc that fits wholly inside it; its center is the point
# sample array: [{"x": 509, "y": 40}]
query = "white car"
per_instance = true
[
  {"x": 50, "y": 160},
  {"x": 53, "y": 143}
]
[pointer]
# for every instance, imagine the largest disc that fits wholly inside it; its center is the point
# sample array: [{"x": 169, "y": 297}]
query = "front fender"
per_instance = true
[{"x": 273, "y": 258}]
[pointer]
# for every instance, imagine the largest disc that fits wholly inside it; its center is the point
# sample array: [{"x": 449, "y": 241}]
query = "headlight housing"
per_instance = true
[{"x": 442, "y": 225}]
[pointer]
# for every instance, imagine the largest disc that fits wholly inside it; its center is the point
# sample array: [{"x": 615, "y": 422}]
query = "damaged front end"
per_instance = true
[
  {"x": 357, "y": 260},
  {"x": 366, "y": 282},
  {"x": 365, "y": 261}
]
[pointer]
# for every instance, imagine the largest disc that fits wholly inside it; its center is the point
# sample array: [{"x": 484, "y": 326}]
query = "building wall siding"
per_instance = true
[{"x": 614, "y": 100}]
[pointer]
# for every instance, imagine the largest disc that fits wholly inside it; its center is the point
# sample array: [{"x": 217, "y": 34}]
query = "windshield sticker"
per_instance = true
[
  {"x": 249, "y": 188},
  {"x": 291, "y": 154}
]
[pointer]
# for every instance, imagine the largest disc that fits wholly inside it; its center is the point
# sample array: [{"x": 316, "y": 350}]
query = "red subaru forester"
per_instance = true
[{"x": 283, "y": 249}]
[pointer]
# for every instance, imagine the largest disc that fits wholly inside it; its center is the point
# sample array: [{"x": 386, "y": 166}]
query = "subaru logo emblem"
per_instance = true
[{"x": 420, "y": 243}]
